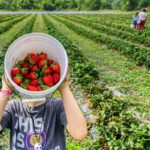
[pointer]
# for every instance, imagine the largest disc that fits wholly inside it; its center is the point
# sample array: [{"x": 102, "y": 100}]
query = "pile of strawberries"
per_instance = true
[{"x": 36, "y": 72}]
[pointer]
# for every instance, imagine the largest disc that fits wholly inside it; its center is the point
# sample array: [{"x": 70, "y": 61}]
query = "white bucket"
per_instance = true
[{"x": 36, "y": 42}]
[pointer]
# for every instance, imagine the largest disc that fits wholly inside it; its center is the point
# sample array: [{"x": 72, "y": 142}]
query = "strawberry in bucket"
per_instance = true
[{"x": 36, "y": 72}]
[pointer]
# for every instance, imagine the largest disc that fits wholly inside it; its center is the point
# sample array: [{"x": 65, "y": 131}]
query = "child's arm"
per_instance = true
[
  {"x": 76, "y": 123},
  {"x": 3, "y": 99}
]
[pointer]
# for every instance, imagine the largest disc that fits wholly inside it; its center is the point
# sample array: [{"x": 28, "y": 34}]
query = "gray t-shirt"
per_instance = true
[{"x": 17, "y": 118}]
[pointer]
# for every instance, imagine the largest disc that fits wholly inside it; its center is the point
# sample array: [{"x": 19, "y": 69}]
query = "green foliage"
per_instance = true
[
  {"x": 46, "y": 5},
  {"x": 73, "y": 4},
  {"x": 106, "y": 4},
  {"x": 7, "y": 25},
  {"x": 21, "y": 4},
  {"x": 144, "y": 3},
  {"x": 140, "y": 54},
  {"x": 117, "y": 125},
  {"x": 93, "y": 5},
  {"x": 3, "y": 4}
]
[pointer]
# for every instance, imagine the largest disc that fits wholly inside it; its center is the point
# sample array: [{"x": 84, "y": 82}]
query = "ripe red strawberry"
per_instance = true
[
  {"x": 34, "y": 82},
  {"x": 24, "y": 71},
  {"x": 33, "y": 58},
  {"x": 25, "y": 65},
  {"x": 56, "y": 68},
  {"x": 43, "y": 56},
  {"x": 42, "y": 63},
  {"x": 56, "y": 77},
  {"x": 50, "y": 62},
  {"x": 15, "y": 71},
  {"x": 17, "y": 79},
  {"x": 30, "y": 67},
  {"x": 47, "y": 70},
  {"x": 35, "y": 68},
  {"x": 32, "y": 76},
  {"x": 31, "y": 88},
  {"x": 39, "y": 88},
  {"x": 48, "y": 80}
]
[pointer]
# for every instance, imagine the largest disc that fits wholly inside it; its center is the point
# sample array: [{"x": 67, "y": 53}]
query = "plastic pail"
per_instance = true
[{"x": 36, "y": 42}]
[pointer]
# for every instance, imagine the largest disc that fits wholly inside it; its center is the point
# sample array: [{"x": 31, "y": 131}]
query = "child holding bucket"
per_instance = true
[{"x": 40, "y": 125}]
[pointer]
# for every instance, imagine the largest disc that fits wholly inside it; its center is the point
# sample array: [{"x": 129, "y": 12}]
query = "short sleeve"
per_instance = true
[
  {"x": 61, "y": 113},
  {"x": 7, "y": 116}
]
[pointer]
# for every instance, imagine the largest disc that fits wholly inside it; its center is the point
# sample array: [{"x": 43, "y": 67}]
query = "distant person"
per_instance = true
[
  {"x": 142, "y": 18},
  {"x": 135, "y": 20}
]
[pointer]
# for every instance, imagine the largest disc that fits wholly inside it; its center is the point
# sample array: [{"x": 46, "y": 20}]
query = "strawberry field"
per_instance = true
[{"x": 109, "y": 72}]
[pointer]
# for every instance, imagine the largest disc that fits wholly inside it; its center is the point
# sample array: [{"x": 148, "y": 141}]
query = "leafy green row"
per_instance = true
[
  {"x": 120, "y": 26},
  {"x": 140, "y": 54},
  {"x": 117, "y": 126},
  {"x": 8, "y": 17},
  {"x": 7, "y": 25},
  {"x": 3, "y": 17},
  {"x": 140, "y": 39},
  {"x": 118, "y": 18},
  {"x": 26, "y": 28}
]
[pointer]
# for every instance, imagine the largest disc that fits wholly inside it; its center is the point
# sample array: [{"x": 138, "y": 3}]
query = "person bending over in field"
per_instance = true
[{"x": 40, "y": 125}]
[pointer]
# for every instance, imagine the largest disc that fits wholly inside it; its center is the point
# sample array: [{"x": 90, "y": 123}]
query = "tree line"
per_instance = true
[{"x": 73, "y": 4}]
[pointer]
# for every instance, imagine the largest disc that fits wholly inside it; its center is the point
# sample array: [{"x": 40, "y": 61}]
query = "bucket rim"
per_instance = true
[{"x": 35, "y": 93}]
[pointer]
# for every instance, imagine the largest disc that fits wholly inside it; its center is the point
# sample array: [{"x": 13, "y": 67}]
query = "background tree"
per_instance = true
[
  {"x": 144, "y": 3},
  {"x": 106, "y": 4},
  {"x": 74, "y": 4},
  {"x": 93, "y": 4}
]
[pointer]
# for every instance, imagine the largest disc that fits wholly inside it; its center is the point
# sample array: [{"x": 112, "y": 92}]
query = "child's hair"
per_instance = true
[
  {"x": 144, "y": 10},
  {"x": 136, "y": 13}
]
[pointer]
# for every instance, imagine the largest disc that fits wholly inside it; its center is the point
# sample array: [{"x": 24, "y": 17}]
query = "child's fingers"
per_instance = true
[{"x": 6, "y": 82}]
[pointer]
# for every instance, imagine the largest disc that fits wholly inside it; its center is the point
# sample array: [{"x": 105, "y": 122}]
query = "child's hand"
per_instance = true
[
  {"x": 64, "y": 85},
  {"x": 6, "y": 84}
]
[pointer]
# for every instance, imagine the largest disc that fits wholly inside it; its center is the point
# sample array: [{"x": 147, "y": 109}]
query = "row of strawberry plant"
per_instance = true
[
  {"x": 7, "y": 25},
  {"x": 3, "y": 17},
  {"x": 119, "y": 18},
  {"x": 8, "y": 17},
  {"x": 113, "y": 32},
  {"x": 39, "y": 24},
  {"x": 119, "y": 26},
  {"x": 140, "y": 54},
  {"x": 25, "y": 28},
  {"x": 116, "y": 124}
]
